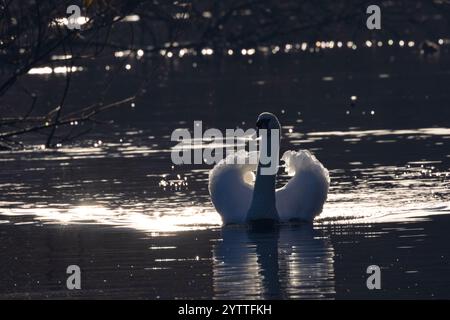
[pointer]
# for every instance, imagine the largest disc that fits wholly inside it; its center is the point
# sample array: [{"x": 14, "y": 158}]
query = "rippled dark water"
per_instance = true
[{"x": 140, "y": 227}]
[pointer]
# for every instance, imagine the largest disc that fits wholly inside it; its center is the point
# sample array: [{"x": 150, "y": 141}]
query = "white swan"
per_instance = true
[{"x": 239, "y": 201}]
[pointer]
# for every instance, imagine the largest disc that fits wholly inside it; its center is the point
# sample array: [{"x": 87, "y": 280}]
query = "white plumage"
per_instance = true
[
  {"x": 302, "y": 198},
  {"x": 231, "y": 187}
]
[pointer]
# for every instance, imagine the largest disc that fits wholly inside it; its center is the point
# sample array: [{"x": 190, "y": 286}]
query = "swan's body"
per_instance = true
[{"x": 238, "y": 201}]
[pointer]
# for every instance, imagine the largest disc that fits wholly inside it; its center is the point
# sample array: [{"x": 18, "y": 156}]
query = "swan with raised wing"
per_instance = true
[{"x": 239, "y": 200}]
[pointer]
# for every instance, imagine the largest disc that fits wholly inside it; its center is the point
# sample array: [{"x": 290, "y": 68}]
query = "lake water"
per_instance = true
[{"x": 140, "y": 227}]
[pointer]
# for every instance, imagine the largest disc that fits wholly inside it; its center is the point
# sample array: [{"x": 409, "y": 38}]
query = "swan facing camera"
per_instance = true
[{"x": 242, "y": 197}]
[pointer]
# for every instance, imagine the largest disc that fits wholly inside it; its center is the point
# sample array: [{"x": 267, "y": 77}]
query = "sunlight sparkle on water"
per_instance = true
[{"x": 189, "y": 218}]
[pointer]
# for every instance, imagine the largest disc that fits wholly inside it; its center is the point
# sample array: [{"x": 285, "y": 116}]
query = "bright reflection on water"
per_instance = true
[
  {"x": 79, "y": 192},
  {"x": 177, "y": 199},
  {"x": 290, "y": 263},
  {"x": 191, "y": 218}
]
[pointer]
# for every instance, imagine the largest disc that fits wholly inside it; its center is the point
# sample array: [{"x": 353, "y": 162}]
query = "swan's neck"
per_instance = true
[{"x": 263, "y": 201}]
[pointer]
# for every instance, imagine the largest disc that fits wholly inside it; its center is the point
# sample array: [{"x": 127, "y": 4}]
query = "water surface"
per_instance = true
[{"x": 140, "y": 227}]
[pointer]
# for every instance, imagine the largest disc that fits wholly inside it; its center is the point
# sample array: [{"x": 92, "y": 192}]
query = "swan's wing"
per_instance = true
[
  {"x": 230, "y": 187},
  {"x": 302, "y": 198}
]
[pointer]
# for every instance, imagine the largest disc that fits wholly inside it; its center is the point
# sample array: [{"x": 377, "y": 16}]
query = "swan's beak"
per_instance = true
[
  {"x": 262, "y": 124},
  {"x": 259, "y": 124}
]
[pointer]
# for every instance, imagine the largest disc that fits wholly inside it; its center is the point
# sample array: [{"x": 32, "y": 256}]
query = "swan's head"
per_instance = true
[{"x": 267, "y": 120}]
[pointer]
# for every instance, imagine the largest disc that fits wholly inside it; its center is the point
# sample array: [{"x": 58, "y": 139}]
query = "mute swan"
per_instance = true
[{"x": 238, "y": 201}]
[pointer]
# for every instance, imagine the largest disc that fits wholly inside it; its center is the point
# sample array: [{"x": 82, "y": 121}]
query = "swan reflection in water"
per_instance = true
[{"x": 291, "y": 262}]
